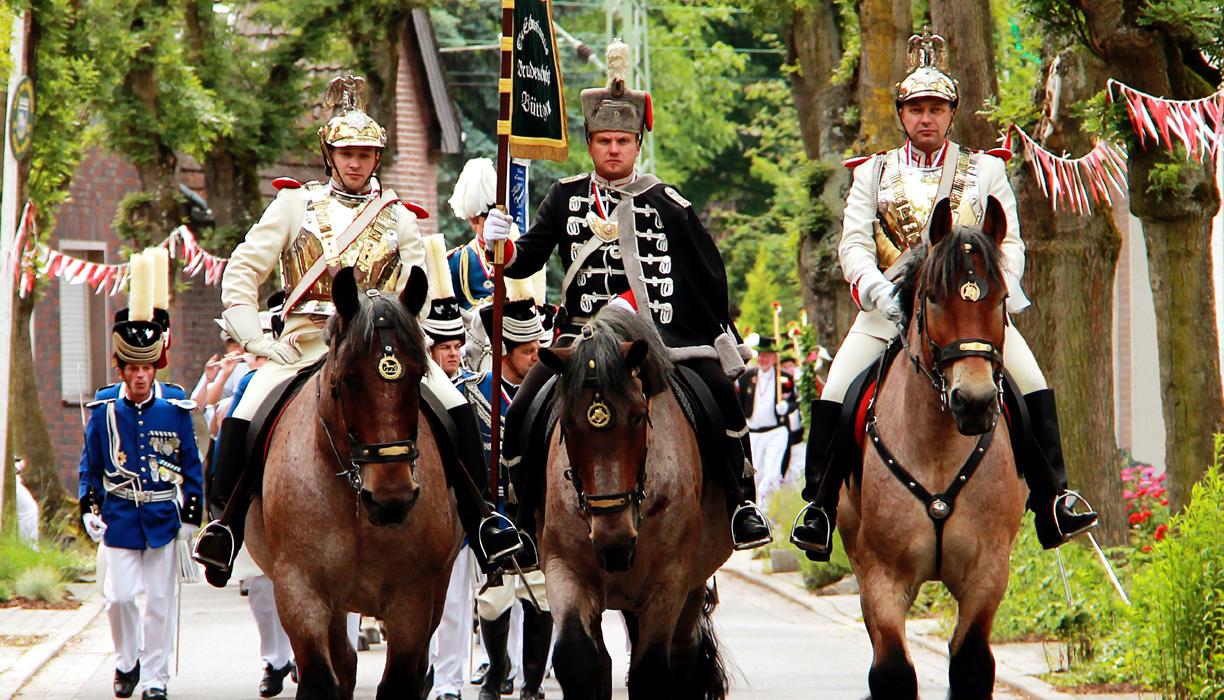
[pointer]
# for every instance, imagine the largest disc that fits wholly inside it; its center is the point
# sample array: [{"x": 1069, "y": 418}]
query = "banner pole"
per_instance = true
[{"x": 499, "y": 249}]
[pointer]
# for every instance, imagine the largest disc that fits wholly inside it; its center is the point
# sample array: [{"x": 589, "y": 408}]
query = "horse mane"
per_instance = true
[
  {"x": 600, "y": 343},
  {"x": 939, "y": 271},
  {"x": 358, "y": 338}
]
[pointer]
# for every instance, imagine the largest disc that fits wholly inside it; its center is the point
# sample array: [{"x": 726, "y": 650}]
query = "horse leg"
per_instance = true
[
  {"x": 409, "y": 627},
  {"x": 343, "y": 655},
  {"x": 971, "y": 669},
  {"x": 696, "y": 666},
  {"x": 580, "y": 659},
  {"x": 885, "y": 602},
  {"x": 307, "y": 621}
]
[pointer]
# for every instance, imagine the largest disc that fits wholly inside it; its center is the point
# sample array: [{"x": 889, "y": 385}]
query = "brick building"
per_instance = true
[{"x": 71, "y": 327}]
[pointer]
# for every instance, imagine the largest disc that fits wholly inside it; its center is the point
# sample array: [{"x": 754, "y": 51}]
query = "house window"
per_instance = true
[{"x": 84, "y": 330}]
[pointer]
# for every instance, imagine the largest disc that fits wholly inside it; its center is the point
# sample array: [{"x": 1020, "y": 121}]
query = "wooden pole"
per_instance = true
[{"x": 499, "y": 249}]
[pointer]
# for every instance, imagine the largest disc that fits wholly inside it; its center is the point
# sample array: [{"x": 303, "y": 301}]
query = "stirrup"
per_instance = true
[
  {"x": 206, "y": 560},
  {"x": 1072, "y": 499},
  {"x": 498, "y": 555},
  {"x": 801, "y": 521},
  {"x": 758, "y": 542}
]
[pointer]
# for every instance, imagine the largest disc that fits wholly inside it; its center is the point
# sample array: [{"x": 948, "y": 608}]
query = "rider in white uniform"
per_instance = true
[
  {"x": 311, "y": 232},
  {"x": 886, "y": 211}
]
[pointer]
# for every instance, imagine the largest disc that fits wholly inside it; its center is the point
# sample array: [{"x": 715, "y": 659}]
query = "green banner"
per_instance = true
[{"x": 538, "y": 128}]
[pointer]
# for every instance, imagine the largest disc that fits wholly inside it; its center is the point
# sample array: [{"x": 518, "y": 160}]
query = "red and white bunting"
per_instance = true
[
  {"x": 1075, "y": 183},
  {"x": 39, "y": 260},
  {"x": 1196, "y": 125}
]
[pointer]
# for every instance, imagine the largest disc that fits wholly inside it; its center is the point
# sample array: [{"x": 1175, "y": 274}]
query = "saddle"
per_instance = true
[
  {"x": 852, "y": 423},
  {"x": 267, "y": 417}
]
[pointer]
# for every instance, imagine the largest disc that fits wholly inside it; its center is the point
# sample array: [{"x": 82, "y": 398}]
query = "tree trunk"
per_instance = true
[
  {"x": 814, "y": 45},
  {"x": 885, "y": 27},
  {"x": 1071, "y": 262},
  {"x": 380, "y": 63},
  {"x": 968, "y": 27},
  {"x": 231, "y": 177},
  {"x": 27, "y": 424},
  {"x": 1177, "y": 228}
]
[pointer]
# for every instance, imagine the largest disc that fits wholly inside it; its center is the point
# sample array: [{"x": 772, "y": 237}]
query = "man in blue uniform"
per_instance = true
[{"x": 140, "y": 489}]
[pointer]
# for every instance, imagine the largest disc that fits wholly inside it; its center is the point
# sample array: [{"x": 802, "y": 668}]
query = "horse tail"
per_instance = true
[{"x": 711, "y": 667}]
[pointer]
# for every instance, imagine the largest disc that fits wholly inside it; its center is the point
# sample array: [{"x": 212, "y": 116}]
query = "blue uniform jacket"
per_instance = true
[
  {"x": 162, "y": 390},
  {"x": 149, "y": 448},
  {"x": 476, "y": 284}
]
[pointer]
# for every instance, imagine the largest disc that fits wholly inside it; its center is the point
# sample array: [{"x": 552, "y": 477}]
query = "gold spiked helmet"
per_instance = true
[
  {"x": 926, "y": 59},
  {"x": 349, "y": 125}
]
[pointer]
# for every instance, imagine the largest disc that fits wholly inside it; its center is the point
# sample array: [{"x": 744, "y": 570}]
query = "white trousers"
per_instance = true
[
  {"x": 768, "y": 449},
  {"x": 274, "y": 646},
  {"x": 860, "y": 348},
  {"x": 126, "y": 571},
  {"x": 312, "y": 346},
  {"x": 448, "y": 650}
]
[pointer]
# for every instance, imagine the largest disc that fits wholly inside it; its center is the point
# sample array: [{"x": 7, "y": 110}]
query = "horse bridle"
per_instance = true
[
  {"x": 390, "y": 369},
  {"x": 971, "y": 289},
  {"x": 599, "y": 416}
]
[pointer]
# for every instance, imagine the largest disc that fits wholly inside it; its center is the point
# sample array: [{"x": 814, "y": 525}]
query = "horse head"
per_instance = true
[
  {"x": 375, "y": 363},
  {"x": 603, "y": 395},
  {"x": 958, "y": 314}
]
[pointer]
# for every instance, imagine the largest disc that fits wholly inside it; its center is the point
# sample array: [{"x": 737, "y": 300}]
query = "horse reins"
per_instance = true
[
  {"x": 390, "y": 369},
  {"x": 939, "y": 506}
]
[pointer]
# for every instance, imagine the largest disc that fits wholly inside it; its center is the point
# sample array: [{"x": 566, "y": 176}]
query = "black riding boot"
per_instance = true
[
  {"x": 1052, "y": 504},
  {"x": 749, "y": 526},
  {"x": 537, "y": 640},
  {"x": 493, "y": 537},
  {"x": 813, "y": 529},
  {"x": 494, "y": 634},
  {"x": 229, "y": 495}
]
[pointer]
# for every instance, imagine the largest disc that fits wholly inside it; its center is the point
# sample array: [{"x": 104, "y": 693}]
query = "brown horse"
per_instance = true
[
  {"x": 939, "y": 497},
  {"x": 630, "y": 521},
  {"x": 352, "y": 440}
]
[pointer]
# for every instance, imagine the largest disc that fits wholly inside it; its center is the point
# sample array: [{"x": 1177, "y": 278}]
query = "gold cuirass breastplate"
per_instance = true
[
  {"x": 907, "y": 196},
  {"x": 376, "y": 262}
]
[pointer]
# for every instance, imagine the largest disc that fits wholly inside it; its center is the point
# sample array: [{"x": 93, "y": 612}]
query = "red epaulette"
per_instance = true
[
  {"x": 417, "y": 209},
  {"x": 286, "y": 183},
  {"x": 1004, "y": 153},
  {"x": 852, "y": 163}
]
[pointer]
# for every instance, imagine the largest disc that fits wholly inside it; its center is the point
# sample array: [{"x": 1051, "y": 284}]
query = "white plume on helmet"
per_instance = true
[
  {"x": 437, "y": 268},
  {"x": 476, "y": 191}
]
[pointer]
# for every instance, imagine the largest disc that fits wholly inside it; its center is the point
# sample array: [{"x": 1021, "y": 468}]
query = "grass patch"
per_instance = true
[
  {"x": 65, "y": 560},
  {"x": 782, "y": 508},
  {"x": 41, "y": 583}
]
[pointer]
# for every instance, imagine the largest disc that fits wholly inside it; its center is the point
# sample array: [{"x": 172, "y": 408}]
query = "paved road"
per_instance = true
[{"x": 778, "y": 650}]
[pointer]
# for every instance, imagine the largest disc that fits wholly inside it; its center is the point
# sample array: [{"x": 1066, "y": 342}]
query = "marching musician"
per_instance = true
[
  {"x": 887, "y": 211},
  {"x": 627, "y": 238},
  {"x": 310, "y": 232},
  {"x": 141, "y": 487}
]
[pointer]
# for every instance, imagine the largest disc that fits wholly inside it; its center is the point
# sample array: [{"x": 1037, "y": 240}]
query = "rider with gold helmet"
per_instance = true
[
  {"x": 887, "y": 211},
  {"x": 310, "y": 232}
]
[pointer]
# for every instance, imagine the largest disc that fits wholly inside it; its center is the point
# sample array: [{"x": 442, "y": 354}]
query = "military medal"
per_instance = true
[
  {"x": 120, "y": 458},
  {"x": 605, "y": 231}
]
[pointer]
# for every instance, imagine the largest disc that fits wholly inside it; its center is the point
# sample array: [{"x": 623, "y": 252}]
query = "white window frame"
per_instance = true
[{"x": 75, "y": 385}]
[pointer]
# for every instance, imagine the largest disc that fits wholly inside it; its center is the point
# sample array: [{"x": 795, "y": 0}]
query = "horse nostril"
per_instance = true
[{"x": 956, "y": 400}]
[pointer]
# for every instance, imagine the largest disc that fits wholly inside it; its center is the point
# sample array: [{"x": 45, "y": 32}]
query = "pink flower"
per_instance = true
[{"x": 1128, "y": 495}]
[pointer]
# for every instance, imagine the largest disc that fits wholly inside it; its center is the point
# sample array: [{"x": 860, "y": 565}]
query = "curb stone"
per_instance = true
[
  {"x": 1025, "y": 685},
  {"x": 33, "y": 660}
]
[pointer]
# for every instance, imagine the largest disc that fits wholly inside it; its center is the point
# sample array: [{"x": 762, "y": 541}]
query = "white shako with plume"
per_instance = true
[
  {"x": 476, "y": 190},
  {"x": 445, "y": 320}
]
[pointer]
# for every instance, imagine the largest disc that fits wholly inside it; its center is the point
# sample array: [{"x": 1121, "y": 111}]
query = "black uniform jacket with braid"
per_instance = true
[{"x": 682, "y": 280}]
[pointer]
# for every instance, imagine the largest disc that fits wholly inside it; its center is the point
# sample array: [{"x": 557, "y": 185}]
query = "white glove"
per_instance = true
[
  {"x": 883, "y": 296},
  {"x": 242, "y": 321},
  {"x": 781, "y": 408},
  {"x": 497, "y": 227},
  {"x": 94, "y": 526},
  {"x": 187, "y": 532}
]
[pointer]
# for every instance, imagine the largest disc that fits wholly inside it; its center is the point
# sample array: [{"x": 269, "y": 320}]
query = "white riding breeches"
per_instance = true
[
  {"x": 128, "y": 570},
  {"x": 448, "y": 650},
  {"x": 863, "y": 345},
  {"x": 312, "y": 347}
]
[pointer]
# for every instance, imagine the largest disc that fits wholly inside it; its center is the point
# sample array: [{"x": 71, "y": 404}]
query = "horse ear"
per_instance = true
[
  {"x": 415, "y": 291},
  {"x": 634, "y": 353},
  {"x": 555, "y": 358},
  {"x": 994, "y": 223},
  {"x": 941, "y": 221},
  {"x": 344, "y": 294}
]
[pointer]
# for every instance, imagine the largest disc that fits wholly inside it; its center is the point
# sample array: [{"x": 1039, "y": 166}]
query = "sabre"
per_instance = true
[{"x": 1113, "y": 578}]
